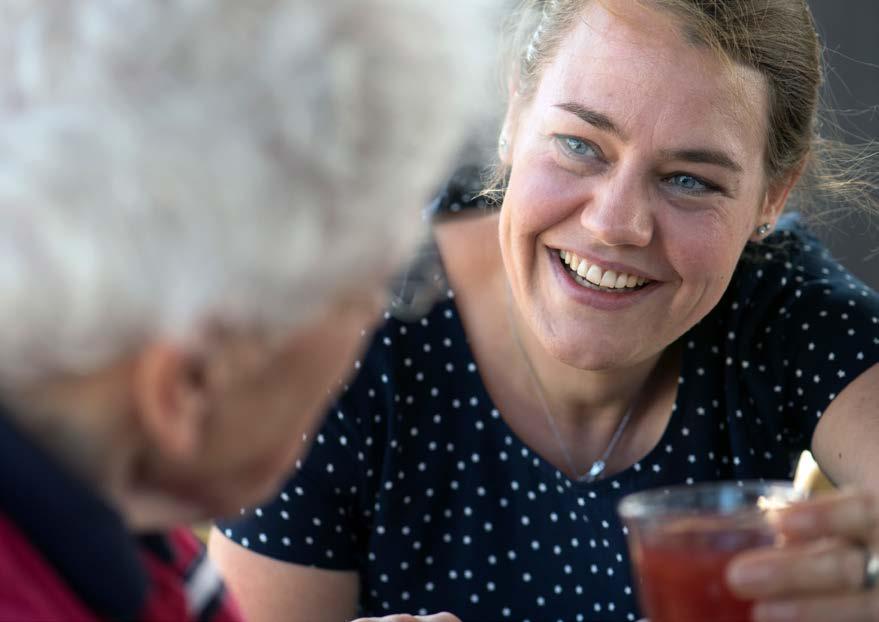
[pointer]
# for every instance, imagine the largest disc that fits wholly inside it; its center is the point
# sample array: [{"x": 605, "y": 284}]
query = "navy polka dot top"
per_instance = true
[{"x": 416, "y": 482}]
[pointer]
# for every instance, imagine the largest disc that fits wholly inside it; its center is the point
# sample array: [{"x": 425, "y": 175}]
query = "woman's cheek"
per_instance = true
[
  {"x": 546, "y": 197},
  {"x": 702, "y": 242}
]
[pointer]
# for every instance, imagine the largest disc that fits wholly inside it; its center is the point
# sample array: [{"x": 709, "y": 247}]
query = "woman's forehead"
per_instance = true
[{"x": 640, "y": 71}]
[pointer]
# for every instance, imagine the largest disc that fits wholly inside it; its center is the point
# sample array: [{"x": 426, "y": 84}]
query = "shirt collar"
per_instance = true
[{"x": 77, "y": 532}]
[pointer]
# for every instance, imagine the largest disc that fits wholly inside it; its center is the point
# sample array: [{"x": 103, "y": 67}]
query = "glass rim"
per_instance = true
[{"x": 653, "y": 503}]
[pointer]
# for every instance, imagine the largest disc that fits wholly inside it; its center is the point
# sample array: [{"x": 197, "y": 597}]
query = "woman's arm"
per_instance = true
[
  {"x": 268, "y": 590},
  {"x": 846, "y": 441}
]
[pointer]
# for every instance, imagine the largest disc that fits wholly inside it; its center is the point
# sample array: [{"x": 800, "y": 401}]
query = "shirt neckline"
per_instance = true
[{"x": 628, "y": 477}]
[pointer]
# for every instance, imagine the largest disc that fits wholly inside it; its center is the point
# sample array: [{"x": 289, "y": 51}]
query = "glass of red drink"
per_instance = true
[{"x": 682, "y": 538}]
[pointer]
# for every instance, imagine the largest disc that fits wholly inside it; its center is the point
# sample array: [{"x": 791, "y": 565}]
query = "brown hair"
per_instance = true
[{"x": 778, "y": 38}]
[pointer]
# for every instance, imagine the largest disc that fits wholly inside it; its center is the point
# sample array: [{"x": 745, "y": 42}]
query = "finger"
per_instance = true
[
  {"x": 857, "y": 607},
  {"x": 824, "y": 567},
  {"x": 846, "y": 514}
]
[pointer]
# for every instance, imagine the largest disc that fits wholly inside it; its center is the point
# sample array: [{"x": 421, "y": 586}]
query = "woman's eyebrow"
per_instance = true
[
  {"x": 592, "y": 117},
  {"x": 704, "y": 156}
]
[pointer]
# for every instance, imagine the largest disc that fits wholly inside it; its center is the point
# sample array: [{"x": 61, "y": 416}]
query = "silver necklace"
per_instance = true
[{"x": 597, "y": 469}]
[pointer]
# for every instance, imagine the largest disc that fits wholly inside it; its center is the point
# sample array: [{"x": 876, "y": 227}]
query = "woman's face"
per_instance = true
[{"x": 642, "y": 155}]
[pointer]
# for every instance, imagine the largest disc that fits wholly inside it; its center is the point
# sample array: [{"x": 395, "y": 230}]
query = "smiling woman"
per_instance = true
[{"x": 637, "y": 312}]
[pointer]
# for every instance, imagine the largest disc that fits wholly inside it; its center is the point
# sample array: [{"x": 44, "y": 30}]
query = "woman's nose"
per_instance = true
[{"x": 618, "y": 211}]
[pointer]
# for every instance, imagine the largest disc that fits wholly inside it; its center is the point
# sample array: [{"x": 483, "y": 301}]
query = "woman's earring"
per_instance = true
[
  {"x": 502, "y": 143},
  {"x": 763, "y": 229}
]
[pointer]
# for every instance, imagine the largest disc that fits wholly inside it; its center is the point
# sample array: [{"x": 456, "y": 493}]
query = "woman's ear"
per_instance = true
[
  {"x": 171, "y": 399},
  {"x": 508, "y": 128},
  {"x": 774, "y": 201}
]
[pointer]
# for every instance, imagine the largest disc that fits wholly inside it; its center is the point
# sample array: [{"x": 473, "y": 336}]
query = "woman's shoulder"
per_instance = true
[
  {"x": 791, "y": 306},
  {"x": 403, "y": 354},
  {"x": 794, "y": 308},
  {"x": 792, "y": 330},
  {"x": 792, "y": 272}
]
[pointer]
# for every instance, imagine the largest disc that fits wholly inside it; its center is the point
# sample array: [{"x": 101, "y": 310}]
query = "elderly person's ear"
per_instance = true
[{"x": 170, "y": 394}]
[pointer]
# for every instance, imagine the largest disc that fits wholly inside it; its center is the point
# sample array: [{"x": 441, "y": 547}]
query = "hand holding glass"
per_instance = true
[{"x": 682, "y": 538}]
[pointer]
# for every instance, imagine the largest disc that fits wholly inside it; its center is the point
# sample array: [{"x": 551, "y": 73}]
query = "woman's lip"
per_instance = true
[
  {"x": 600, "y": 300},
  {"x": 606, "y": 265}
]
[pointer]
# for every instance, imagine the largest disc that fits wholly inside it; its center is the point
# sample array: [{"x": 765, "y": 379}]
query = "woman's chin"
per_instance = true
[
  {"x": 591, "y": 361},
  {"x": 592, "y": 354}
]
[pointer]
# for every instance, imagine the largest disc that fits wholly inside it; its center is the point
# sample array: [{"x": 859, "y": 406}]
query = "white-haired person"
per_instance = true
[{"x": 202, "y": 202}]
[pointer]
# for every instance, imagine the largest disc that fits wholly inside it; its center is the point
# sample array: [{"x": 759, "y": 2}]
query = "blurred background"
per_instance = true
[{"x": 850, "y": 31}]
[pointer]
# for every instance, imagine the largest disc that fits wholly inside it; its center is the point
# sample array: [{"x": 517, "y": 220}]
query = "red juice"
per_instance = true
[
  {"x": 682, "y": 539},
  {"x": 682, "y": 571}
]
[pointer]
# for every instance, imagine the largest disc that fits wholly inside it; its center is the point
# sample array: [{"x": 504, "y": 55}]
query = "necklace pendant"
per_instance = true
[{"x": 595, "y": 471}]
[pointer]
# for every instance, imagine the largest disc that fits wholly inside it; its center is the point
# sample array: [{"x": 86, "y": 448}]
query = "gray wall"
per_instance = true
[{"x": 850, "y": 31}]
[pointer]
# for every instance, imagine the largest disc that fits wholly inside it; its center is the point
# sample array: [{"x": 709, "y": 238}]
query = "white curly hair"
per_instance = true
[{"x": 163, "y": 162}]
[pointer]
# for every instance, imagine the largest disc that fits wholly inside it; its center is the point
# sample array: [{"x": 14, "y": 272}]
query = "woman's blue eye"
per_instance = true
[
  {"x": 577, "y": 146},
  {"x": 689, "y": 183}
]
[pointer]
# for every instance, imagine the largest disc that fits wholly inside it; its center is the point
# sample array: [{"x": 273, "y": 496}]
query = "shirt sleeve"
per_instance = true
[
  {"x": 817, "y": 331},
  {"x": 320, "y": 517}
]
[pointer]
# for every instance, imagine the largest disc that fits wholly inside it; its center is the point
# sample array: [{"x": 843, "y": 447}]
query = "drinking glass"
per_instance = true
[{"x": 682, "y": 538}]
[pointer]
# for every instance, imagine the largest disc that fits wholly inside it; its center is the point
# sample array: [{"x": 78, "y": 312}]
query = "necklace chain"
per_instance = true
[{"x": 597, "y": 469}]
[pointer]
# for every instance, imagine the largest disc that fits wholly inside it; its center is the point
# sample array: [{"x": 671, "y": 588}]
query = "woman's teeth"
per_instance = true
[{"x": 592, "y": 274}]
